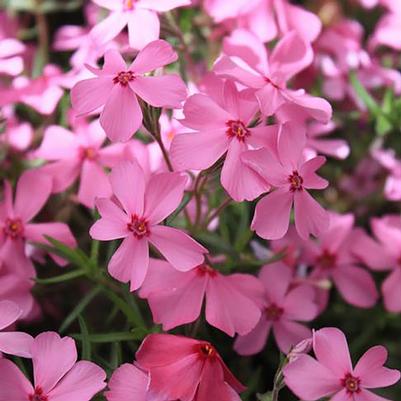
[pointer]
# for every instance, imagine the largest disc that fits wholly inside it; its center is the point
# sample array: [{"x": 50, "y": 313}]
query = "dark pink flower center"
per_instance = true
[
  {"x": 273, "y": 312},
  {"x": 351, "y": 383},
  {"x": 123, "y": 78},
  {"x": 89, "y": 153},
  {"x": 327, "y": 259},
  {"x": 237, "y": 129},
  {"x": 128, "y": 4},
  {"x": 206, "y": 350},
  {"x": 206, "y": 269},
  {"x": 138, "y": 226},
  {"x": 13, "y": 228},
  {"x": 269, "y": 81},
  {"x": 38, "y": 395},
  {"x": 296, "y": 181}
]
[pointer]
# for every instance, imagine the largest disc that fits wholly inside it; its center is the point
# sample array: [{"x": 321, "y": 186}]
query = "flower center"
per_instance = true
[
  {"x": 236, "y": 128},
  {"x": 38, "y": 395},
  {"x": 13, "y": 228},
  {"x": 206, "y": 350},
  {"x": 269, "y": 81},
  {"x": 138, "y": 226},
  {"x": 206, "y": 269},
  {"x": 326, "y": 260},
  {"x": 273, "y": 312},
  {"x": 128, "y": 5},
  {"x": 295, "y": 181},
  {"x": 351, "y": 383},
  {"x": 123, "y": 78},
  {"x": 89, "y": 153}
]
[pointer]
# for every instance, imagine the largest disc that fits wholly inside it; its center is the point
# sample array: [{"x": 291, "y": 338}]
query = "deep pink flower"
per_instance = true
[
  {"x": 283, "y": 305},
  {"x": 291, "y": 176},
  {"x": 57, "y": 374},
  {"x": 247, "y": 62},
  {"x": 141, "y": 207},
  {"x": 186, "y": 369},
  {"x": 116, "y": 87},
  {"x": 139, "y": 15},
  {"x": 12, "y": 342},
  {"x": 331, "y": 374},
  {"x": 226, "y": 130},
  {"x": 176, "y": 298}
]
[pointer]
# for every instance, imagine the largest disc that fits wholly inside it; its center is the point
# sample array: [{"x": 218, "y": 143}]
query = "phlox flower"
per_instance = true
[
  {"x": 186, "y": 369},
  {"x": 176, "y": 298},
  {"x": 116, "y": 87},
  {"x": 135, "y": 214},
  {"x": 245, "y": 60},
  {"x": 11, "y": 61},
  {"x": 32, "y": 192},
  {"x": 283, "y": 305},
  {"x": 331, "y": 374},
  {"x": 57, "y": 374},
  {"x": 291, "y": 176},
  {"x": 12, "y": 342},
  {"x": 225, "y": 131},
  {"x": 139, "y": 15}
]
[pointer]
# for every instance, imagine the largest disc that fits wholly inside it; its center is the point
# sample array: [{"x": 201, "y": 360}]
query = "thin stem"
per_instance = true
[
  {"x": 43, "y": 34},
  {"x": 217, "y": 212},
  {"x": 164, "y": 152}
]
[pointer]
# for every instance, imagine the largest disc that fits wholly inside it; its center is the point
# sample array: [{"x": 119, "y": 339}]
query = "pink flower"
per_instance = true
[
  {"x": 283, "y": 305},
  {"x": 140, "y": 16},
  {"x": 331, "y": 374},
  {"x": 176, "y": 298},
  {"x": 11, "y": 342},
  {"x": 186, "y": 369},
  {"x": 333, "y": 257},
  {"x": 79, "y": 154},
  {"x": 57, "y": 374},
  {"x": 116, "y": 87},
  {"x": 291, "y": 176},
  {"x": 11, "y": 61},
  {"x": 33, "y": 191},
  {"x": 247, "y": 62},
  {"x": 225, "y": 131},
  {"x": 141, "y": 207}
]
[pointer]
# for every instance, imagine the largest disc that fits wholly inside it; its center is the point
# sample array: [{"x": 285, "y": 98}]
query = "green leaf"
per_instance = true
[
  {"x": 61, "y": 278},
  {"x": 134, "y": 335},
  {"x": 243, "y": 234},
  {"x": 86, "y": 344}
]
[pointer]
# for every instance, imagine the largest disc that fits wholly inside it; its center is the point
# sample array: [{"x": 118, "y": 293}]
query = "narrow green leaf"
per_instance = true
[
  {"x": 364, "y": 95},
  {"x": 61, "y": 278},
  {"x": 134, "y": 335},
  {"x": 86, "y": 344}
]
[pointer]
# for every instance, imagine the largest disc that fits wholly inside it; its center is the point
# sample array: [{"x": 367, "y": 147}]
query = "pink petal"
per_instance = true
[
  {"x": 109, "y": 4},
  {"x": 63, "y": 173},
  {"x": 270, "y": 99},
  {"x": 288, "y": 334},
  {"x": 265, "y": 137},
  {"x": 81, "y": 383},
  {"x": 391, "y": 292},
  {"x": 128, "y": 383},
  {"x": 13, "y": 384},
  {"x": 311, "y": 179},
  {"x": 299, "y": 304},
  {"x": 316, "y": 107},
  {"x": 356, "y": 286},
  {"x": 331, "y": 350},
  {"x": 130, "y": 262},
  {"x": 58, "y": 143},
  {"x": 272, "y": 214},
  {"x": 165, "y": 5},
  {"x": 340, "y": 228},
  {"x": 306, "y": 23},
  {"x": 16, "y": 343},
  {"x": 338, "y": 148},
  {"x": 198, "y": 151},
  {"x": 310, "y": 217},
  {"x": 254, "y": 342},
  {"x": 291, "y": 142},
  {"x": 310, "y": 380},
  {"x": 128, "y": 184},
  {"x": 183, "y": 252},
  {"x": 121, "y": 116},
  {"x": 366, "y": 395},
  {"x": 164, "y": 193},
  {"x": 9, "y": 313},
  {"x": 90, "y": 94},
  {"x": 113, "y": 63},
  {"x": 33, "y": 190},
  {"x": 371, "y": 371},
  {"x": 155, "y": 55},
  {"x": 143, "y": 27},
  {"x": 109, "y": 28},
  {"x": 52, "y": 358},
  {"x": 276, "y": 278}
]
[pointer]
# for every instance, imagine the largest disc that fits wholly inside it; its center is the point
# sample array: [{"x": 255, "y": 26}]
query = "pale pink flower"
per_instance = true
[
  {"x": 283, "y": 306},
  {"x": 225, "y": 131},
  {"x": 11, "y": 61},
  {"x": 186, "y": 369},
  {"x": 116, "y": 87},
  {"x": 387, "y": 31},
  {"x": 141, "y": 17},
  {"x": 12, "y": 342},
  {"x": 331, "y": 374},
  {"x": 57, "y": 374},
  {"x": 176, "y": 298},
  {"x": 291, "y": 176},
  {"x": 245, "y": 60},
  {"x": 136, "y": 215}
]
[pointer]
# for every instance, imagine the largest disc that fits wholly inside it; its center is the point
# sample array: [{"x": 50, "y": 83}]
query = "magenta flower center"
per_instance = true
[
  {"x": 205, "y": 269},
  {"x": 123, "y": 78},
  {"x": 327, "y": 260},
  {"x": 138, "y": 226},
  {"x": 273, "y": 312},
  {"x": 206, "y": 350},
  {"x": 237, "y": 129},
  {"x": 351, "y": 383},
  {"x": 296, "y": 182},
  {"x": 38, "y": 395},
  {"x": 13, "y": 228},
  {"x": 269, "y": 81},
  {"x": 89, "y": 153},
  {"x": 128, "y": 4}
]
